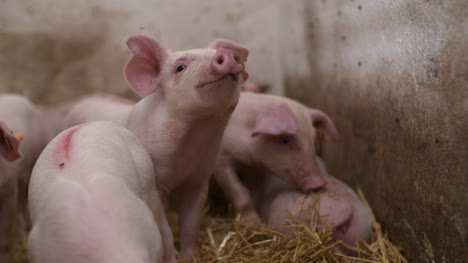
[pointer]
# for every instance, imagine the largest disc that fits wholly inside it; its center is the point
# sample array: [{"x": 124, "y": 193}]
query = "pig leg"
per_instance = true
[
  {"x": 166, "y": 233},
  {"x": 236, "y": 193},
  {"x": 190, "y": 209},
  {"x": 8, "y": 216}
]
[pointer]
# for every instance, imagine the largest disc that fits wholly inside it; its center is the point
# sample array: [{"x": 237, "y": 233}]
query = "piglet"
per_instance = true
[
  {"x": 189, "y": 97},
  {"x": 93, "y": 198},
  {"x": 38, "y": 125},
  {"x": 338, "y": 207},
  {"x": 270, "y": 134}
]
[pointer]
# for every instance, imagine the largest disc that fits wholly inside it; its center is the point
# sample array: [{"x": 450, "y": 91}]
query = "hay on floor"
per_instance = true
[{"x": 230, "y": 240}]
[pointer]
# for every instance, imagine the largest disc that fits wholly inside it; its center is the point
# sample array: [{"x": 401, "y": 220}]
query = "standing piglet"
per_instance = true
[
  {"x": 38, "y": 125},
  {"x": 269, "y": 134},
  {"x": 338, "y": 207},
  {"x": 189, "y": 97},
  {"x": 93, "y": 198}
]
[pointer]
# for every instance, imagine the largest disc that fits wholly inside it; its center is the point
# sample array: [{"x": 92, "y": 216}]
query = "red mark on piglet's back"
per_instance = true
[{"x": 64, "y": 146}]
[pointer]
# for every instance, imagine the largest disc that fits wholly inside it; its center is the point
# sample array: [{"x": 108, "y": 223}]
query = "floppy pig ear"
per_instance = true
[
  {"x": 275, "y": 120},
  {"x": 319, "y": 118},
  {"x": 9, "y": 143},
  {"x": 242, "y": 51},
  {"x": 144, "y": 68}
]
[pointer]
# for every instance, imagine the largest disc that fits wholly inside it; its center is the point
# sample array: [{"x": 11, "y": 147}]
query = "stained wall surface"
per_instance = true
[{"x": 394, "y": 77}]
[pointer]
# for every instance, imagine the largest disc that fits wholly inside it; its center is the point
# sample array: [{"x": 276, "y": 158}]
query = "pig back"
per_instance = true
[
  {"x": 99, "y": 108},
  {"x": 96, "y": 148}
]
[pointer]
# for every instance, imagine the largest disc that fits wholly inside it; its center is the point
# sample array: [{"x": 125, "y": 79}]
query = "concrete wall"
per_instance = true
[
  {"x": 392, "y": 74},
  {"x": 394, "y": 77}
]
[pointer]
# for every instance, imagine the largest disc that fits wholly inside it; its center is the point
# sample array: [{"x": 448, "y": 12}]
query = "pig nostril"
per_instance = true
[{"x": 220, "y": 60}]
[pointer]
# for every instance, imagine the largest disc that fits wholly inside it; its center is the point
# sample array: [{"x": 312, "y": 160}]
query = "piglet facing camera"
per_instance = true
[
  {"x": 189, "y": 97},
  {"x": 196, "y": 82},
  {"x": 93, "y": 198}
]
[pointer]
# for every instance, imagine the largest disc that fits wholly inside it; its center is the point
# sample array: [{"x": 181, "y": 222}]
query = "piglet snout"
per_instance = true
[
  {"x": 313, "y": 183},
  {"x": 225, "y": 61}
]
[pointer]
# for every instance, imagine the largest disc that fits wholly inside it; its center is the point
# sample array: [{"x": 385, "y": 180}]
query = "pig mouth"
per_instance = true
[{"x": 228, "y": 76}]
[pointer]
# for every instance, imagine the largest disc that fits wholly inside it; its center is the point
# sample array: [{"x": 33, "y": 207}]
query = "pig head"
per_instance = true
[
  {"x": 285, "y": 140},
  {"x": 194, "y": 81}
]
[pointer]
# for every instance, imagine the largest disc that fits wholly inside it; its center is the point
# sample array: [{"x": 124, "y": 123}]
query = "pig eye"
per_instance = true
[
  {"x": 285, "y": 141},
  {"x": 180, "y": 68}
]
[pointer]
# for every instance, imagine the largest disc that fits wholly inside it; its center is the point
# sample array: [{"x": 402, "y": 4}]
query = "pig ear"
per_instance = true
[
  {"x": 320, "y": 119},
  {"x": 9, "y": 143},
  {"x": 143, "y": 71},
  {"x": 277, "y": 120},
  {"x": 242, "y": 51}
]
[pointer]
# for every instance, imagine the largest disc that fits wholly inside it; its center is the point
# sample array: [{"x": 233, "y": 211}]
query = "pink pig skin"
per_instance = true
[
  {"x": 38, "y": 125},
  {"x": 269, "y": 134},
  {"x": 188, "y": 99},
  {"x": 93, "y": 198},
  {"x": 338, "y": 206},
  {"x": 99, "y": 107}
]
